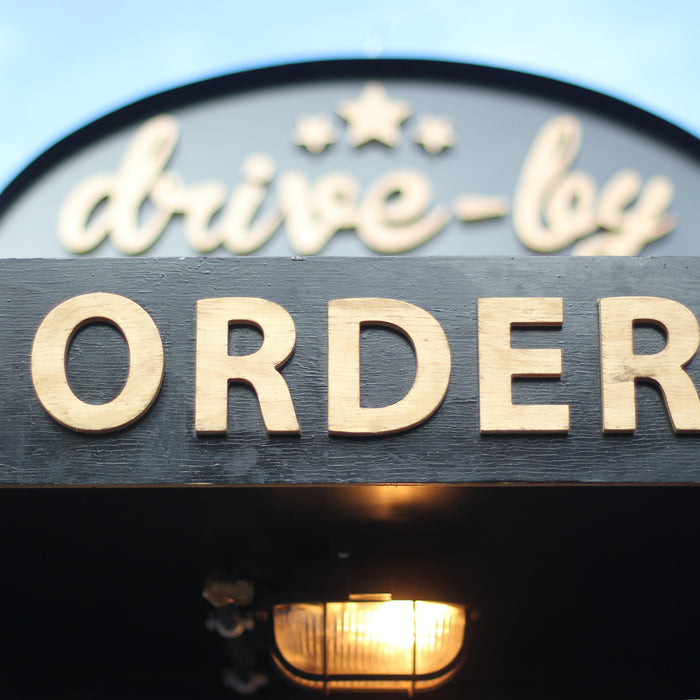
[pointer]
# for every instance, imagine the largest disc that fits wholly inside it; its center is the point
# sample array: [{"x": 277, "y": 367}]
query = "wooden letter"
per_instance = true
[
  {"x": 433, "y": 361},
  {"x": 145, "y": 362},
  {"x": 620, "y": 367},
  {"x": 499, "y": 363},
  {"x": 216, "y": 368}
]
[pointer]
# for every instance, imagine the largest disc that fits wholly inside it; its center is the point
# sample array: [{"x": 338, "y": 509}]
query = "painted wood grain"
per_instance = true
[{"x": 162, "y": 446}]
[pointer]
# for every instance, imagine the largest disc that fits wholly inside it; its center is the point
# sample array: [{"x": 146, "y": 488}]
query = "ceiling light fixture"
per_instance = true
[{"x": 368, "y": 642}]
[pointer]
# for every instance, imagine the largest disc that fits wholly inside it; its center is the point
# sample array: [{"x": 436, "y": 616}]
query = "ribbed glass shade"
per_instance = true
[
  {"x": 300, "y": 635},
  {"x": 404, "y": 644}
]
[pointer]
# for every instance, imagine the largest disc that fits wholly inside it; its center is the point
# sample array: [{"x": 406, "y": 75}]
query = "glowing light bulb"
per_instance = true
[{"x": 369, "y": 644}]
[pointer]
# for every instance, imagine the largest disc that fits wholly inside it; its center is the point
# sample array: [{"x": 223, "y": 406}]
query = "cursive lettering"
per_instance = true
[
  {"x": 555, "y": 206},
  {"x": 394, "y": 216},
  {"x": 110, "y": 204}
]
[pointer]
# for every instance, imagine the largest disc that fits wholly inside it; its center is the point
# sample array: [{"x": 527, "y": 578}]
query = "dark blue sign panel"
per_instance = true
[
  {"x": 564, "y": 348},
  {"x": 359, "y": 158}
]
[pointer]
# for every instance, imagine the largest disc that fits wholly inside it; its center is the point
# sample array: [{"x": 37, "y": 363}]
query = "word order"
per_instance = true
[{"x": 499, "y": 363}]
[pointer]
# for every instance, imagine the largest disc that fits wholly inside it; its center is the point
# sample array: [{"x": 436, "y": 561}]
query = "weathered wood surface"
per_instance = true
[{"x": 163, "y": 448}]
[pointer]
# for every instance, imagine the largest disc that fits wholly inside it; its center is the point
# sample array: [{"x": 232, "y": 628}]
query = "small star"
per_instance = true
[
  {"x": 373, "y": 116},
  {"x": 314, "y": 132},
  {"x": 434, "y": 133}
]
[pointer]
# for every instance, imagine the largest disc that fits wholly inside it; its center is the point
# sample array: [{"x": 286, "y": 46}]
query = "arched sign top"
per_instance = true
[{"x": 362, "y": 157}]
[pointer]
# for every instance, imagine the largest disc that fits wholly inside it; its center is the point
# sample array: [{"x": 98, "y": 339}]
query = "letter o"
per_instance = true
[{"x": 49, "y": 362}]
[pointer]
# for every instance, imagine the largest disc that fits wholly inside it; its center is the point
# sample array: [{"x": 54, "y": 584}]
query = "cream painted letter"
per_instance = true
[
  {"x": 145, "y": 362},
  {"x": 215, "y": 368},
  {"x": 621, "y": 367},
  {"x": 345, "y": 414},
  {"x": 499, "y": 363}
]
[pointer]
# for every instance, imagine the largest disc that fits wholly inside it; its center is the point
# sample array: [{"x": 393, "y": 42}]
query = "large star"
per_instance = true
[
  {"x": 373, "y": 116},
  {"x": 434, "y": 133},
  {"x": 314, "y": 132}
]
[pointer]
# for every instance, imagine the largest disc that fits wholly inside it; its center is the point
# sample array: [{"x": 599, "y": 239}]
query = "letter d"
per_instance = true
[{"x": 433, "y": 361}]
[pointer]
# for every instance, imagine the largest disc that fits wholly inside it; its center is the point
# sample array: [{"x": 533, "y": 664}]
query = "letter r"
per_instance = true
[
  {"x": 621, "y": 367},
  {"x": 215, "y": 368}
]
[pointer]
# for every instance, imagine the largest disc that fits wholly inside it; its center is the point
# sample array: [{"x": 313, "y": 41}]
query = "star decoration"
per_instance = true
[
  {"x": 314, "y": 132},
  {"x": 434, "y": 133},
  {"x": 373, "y": 116}
]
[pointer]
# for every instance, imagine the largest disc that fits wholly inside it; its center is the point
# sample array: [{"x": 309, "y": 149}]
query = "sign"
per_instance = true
[
  {"x": 359, "y": 158},
  {"x": 383, "y": 388},
  {"x": 448, "y": 370}
]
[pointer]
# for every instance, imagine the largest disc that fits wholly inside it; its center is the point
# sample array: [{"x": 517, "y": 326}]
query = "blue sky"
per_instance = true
[{"x": 66, "y": 62}]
